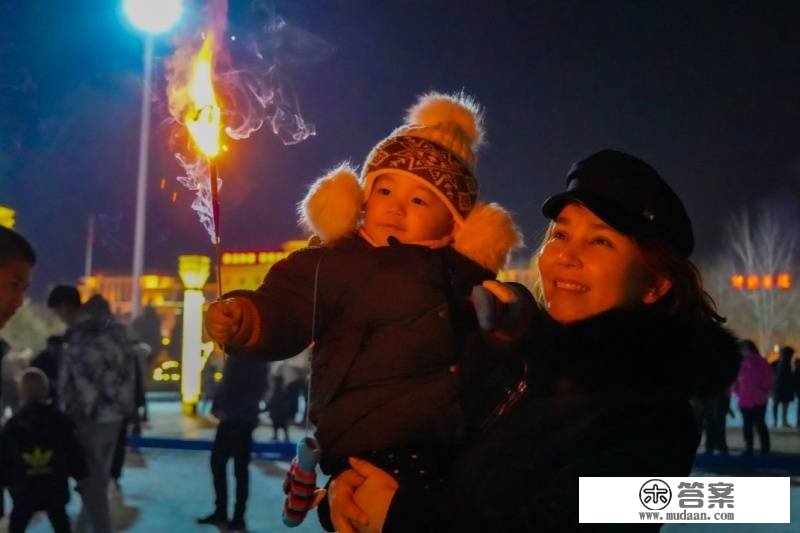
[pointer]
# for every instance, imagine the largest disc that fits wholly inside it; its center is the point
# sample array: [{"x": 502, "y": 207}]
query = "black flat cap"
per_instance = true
[{"x": 629, "y": 195}]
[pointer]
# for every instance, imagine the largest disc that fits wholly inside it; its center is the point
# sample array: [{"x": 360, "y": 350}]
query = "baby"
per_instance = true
[{"x": 384, "y": 300}]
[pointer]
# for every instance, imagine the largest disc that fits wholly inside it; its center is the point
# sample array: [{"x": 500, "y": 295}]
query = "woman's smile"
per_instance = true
[{"x": 570, "y": 286}]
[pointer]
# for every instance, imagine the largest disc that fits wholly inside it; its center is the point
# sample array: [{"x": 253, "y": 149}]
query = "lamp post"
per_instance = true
[
  {"x": 152, "y": 17},
  {"x": 194, "y": 271}
]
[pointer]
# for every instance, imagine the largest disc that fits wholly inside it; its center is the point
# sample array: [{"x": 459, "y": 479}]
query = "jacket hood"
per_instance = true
[
  {"x": 332, "y": 210},
  {"x": 639, "y": 349}
]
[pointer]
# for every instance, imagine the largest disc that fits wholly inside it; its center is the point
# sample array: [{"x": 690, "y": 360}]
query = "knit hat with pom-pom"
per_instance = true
[{"x": 436, "y": 145}]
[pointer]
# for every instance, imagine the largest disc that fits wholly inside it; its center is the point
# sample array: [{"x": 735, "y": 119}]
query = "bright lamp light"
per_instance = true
[{"x": 153, "y": 16}]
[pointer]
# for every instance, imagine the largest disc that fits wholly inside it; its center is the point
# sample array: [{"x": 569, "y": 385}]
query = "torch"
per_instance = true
[{"x": 203, "y": 120}]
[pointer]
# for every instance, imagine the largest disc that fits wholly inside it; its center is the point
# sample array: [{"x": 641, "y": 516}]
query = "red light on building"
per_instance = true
[{"x": 754, "y": 282}]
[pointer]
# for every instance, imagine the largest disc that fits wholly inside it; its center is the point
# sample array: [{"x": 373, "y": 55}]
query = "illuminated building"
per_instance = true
[
  {"x": 161, "y": 291},
  {"x": 246, "y": 269},
  {"x": 753, "y": 282},
  {"x": 7, "y": 217}
]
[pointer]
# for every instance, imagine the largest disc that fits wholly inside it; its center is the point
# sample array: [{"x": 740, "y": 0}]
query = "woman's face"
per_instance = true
[{"x": 587, "y": 267}]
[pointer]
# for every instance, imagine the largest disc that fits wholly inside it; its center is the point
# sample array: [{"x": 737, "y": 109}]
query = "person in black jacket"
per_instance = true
[
  {"x": 621, "y": 336},
  {"x": 236, "y": 403},
  {"x": 39, "y": 452},
  {"x": 282, "y": 406},
  {"x": 783, "y": 392},
  {"x": 796, "y": 386}
]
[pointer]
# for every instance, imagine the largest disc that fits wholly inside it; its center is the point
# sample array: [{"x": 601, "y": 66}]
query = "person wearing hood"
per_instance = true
[
  {"x": 97, "y": 392},
  {"x": 385, "y": 299},
  {"x": 621, "y": 335},
  {"x": 39, "y": 451}
]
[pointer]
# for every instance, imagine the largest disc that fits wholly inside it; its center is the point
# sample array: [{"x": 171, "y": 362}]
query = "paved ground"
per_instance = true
[{"x": 165, "y": 490}]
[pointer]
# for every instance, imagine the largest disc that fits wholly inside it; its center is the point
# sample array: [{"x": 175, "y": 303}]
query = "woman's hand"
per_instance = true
[
  {"x": 346, "y": 516},
  {"x": 374, "y": 494}
]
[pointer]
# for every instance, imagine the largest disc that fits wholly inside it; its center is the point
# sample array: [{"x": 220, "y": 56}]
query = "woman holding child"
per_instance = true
[
  {"x": 620, "y": 334},
  {"x": 458, "y": 431}
]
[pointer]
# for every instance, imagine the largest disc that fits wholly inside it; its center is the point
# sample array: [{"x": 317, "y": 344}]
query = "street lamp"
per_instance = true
[
  {"x": 194, "y": 271},
  {"x": 152, "y": 17}
]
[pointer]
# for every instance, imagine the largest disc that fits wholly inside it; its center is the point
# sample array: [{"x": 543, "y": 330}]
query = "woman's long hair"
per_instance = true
[{"x": 686, "y": 298}]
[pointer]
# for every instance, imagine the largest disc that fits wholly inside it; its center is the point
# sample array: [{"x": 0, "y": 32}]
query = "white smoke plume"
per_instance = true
[{"x": 251, "y": 79}]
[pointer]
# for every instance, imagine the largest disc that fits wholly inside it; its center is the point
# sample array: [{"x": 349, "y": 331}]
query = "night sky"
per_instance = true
[{"x": 707, "y": 92}]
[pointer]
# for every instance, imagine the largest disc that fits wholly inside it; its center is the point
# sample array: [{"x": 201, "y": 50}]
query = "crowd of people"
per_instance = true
[
  {"x": 758, "y": 381},
  {"x": 77, "y": 399},
  {"x": 437, "y": 393}
]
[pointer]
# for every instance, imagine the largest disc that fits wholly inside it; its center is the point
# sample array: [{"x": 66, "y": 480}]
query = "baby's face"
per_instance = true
[{"x": 403, "y": 207}]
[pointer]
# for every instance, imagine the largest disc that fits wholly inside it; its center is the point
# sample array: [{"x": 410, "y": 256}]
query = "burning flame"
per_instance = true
[{"x": 203, "y": 115}]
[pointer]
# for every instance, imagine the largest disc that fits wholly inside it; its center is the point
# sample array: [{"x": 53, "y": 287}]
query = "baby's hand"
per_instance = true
[
  {"x": 500, "y": 291},
  {"x": 224, "y": 319},
  {"x": 491, "y": 301}
]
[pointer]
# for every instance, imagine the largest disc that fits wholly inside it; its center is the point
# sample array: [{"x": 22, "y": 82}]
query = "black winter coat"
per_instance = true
[
  {"x": 39, "y": 450},
  {"x": 608, "y": 396},
  {"x": 390, "y": 324},
  {"x": 783, "y": 389},
  {"x": 239, "y": 393}
]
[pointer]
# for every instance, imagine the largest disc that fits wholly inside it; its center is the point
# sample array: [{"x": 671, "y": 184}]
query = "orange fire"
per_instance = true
[{"x": 203, "y": 114}]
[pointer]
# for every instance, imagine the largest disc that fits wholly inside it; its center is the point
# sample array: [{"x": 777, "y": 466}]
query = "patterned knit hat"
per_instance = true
[{"x": 436, "y": 145}]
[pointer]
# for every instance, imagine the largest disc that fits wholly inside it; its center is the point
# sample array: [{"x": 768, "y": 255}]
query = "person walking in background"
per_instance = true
[
  {"x": 712, "y": 419},
  {"x": 132, "y": 423},
  {"x": 65, "y": 301},
  {"x": 39, "y": 450},
  {"x": 796, "y": 386},
  {"x": 96, "y": 390},
  {"x": 236, "y": 405},
  {"x": 282, "y": 406},
  {"x": 783, "y": 392},
  {"x": 209, "y": 388},
  {"x": 752, "y": 387}
]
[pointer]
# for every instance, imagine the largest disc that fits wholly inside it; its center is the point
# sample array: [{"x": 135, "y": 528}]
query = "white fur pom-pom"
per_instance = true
[
  {"x": 332, "y": 207},
  {"x": 487, "y": 236},
  {"x": 434, "y": 109}
]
